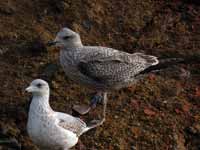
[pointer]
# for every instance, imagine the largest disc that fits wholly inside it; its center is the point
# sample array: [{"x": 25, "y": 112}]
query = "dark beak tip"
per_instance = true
[{"x": 51, "y": 43}]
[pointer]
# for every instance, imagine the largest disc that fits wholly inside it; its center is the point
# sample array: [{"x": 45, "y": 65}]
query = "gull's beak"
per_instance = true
[
  {"x": 29, "y": 89},
  {"x": 52, "y": 43}
]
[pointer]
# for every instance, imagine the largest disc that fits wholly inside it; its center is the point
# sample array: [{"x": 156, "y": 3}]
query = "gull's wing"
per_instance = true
[
  {"x": 107, "y": 66},
  {"x": 71, "y": 123}
]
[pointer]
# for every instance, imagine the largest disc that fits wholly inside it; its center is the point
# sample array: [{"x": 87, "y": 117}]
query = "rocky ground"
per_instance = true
[{"x": 159, "y": 113}]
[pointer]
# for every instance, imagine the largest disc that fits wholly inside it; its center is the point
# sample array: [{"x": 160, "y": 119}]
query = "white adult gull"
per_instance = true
[
  {"x": 48, "y": 129},
  {"x": 100, "y": 68}
]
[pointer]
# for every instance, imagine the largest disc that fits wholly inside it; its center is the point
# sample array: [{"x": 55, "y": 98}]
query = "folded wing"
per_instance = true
[
  {"x": 71, "y": 123},
  {"x": 108, "y": 67}
]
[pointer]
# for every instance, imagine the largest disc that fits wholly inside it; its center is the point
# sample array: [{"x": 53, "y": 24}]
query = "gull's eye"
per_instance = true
[
  {"x": 66, "y": 37},
  {"x": 39, "y": 85}
]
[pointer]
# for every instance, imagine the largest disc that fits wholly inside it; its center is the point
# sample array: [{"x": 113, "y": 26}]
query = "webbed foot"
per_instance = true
[{"x": 81, "y": 109}]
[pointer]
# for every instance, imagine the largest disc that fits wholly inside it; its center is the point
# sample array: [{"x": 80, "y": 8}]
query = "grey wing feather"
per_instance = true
[
  {"x": 108, "y": 67},
  {"x": 71, "y": 123}
]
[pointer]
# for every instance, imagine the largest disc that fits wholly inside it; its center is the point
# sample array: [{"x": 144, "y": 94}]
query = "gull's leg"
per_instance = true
[
  {"x": 96, "y": 123},
  {"x": 105, "y": 100},
  {"x": 96, "y": 99},
  {"x": 84, "y": 109}
]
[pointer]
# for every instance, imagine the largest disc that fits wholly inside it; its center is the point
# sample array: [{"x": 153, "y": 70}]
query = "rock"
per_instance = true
[
  {"x": 179, "y": 142},
  {"x": 133, "y": 147},
  {"x": 136, "y": 131},
  {"x": 184, "y": 74},
  {"x": 171, "y": 88},
  {"x": 81, "y": 146},
  {"x": 34, "y": 48},
  {"x": 7, "y": 9},
  {"x": 135, "y": 104},
  {"x": 193, "y": 135},
  {"x": 87, "y": 24},
  {"x": 7, "y": 131},
  {"x": 195, "y": 129},
  {"x": 116, "y": 117},
  {"x": 58, "y": 6},
  {"x": 55, "y": 85},
  {"x": 186, "y": 107},
  {"x": 3, "y": 50},
  {"x": 12, "y": 143},
  {"x": 49, "y": 71},
  {"x": 7, "y": 137},
  {"x": 195, "y": 2},
  {"x": 149, "y": 112},
  {"x": 3, "y": 132},
  {"x": 197, "y": 92},
  {"x": 175, "y": 72}
]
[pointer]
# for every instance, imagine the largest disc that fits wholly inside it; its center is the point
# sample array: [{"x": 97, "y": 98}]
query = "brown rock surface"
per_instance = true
[{"x": 150, "y": 115}]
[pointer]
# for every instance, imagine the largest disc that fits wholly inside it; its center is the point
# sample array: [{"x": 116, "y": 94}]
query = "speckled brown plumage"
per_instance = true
[
  {"x": 97, "y": 67},
  {"x": 100, "y": 67}
]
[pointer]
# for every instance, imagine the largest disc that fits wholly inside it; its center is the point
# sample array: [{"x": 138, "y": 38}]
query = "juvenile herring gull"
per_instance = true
[
  {"x": 48, "y": 129},
  {"x": 100, "y": 68}
]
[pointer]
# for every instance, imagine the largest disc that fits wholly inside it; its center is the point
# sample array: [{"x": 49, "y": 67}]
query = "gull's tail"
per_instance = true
[
  {"x": 163, "y": 63},
  {"x": 149, "y": 59}
]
